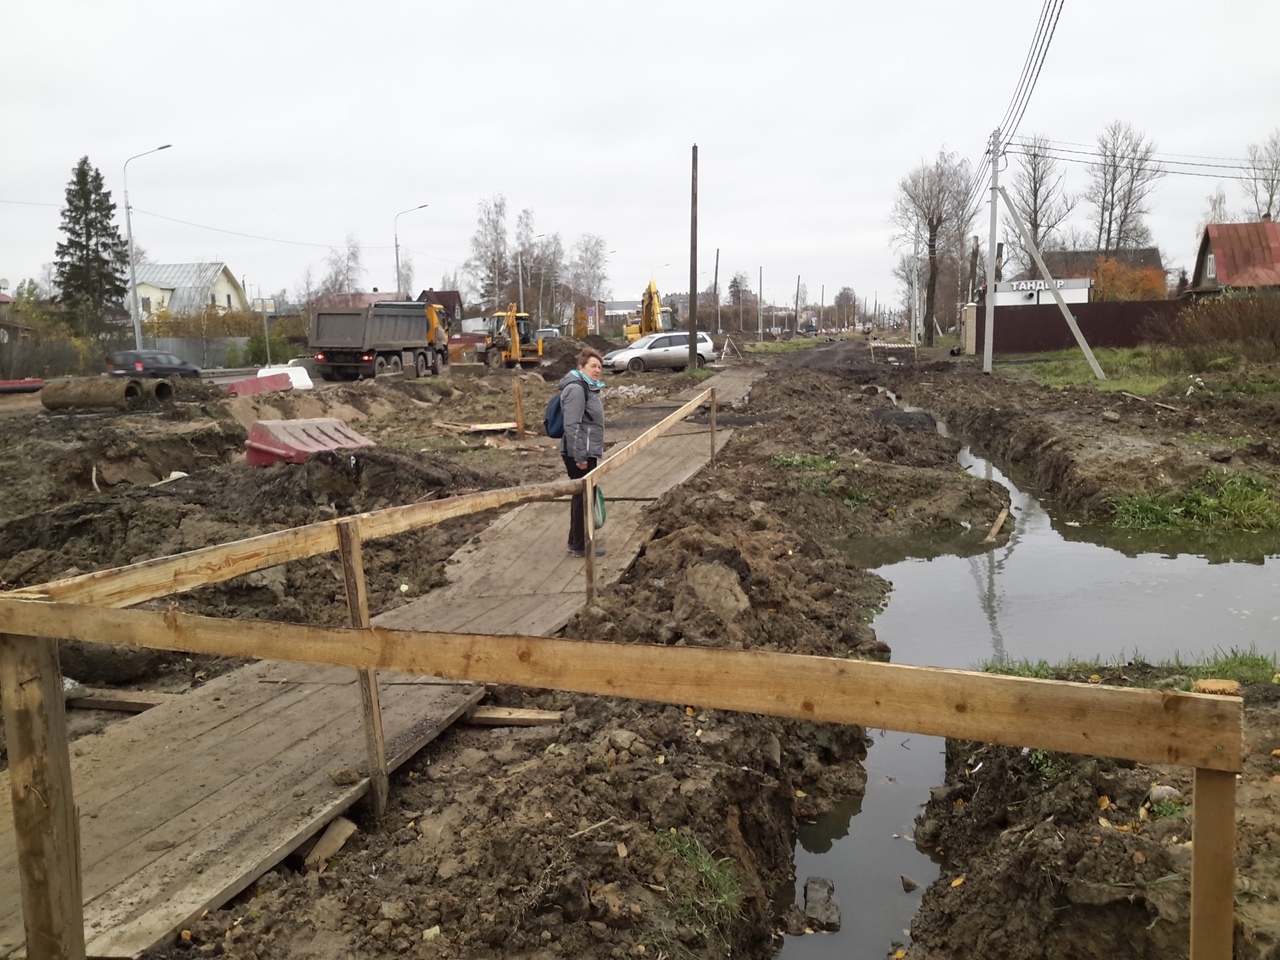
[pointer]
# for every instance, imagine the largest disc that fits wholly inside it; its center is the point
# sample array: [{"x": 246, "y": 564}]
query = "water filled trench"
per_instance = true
[{"x": 1051, "y": 591}]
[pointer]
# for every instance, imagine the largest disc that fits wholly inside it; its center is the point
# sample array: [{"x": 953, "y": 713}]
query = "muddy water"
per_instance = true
[{"x": 1050, "y": 591}]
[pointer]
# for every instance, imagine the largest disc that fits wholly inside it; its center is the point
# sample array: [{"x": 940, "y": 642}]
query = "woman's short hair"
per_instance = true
[{"x": 587, "y": 353}]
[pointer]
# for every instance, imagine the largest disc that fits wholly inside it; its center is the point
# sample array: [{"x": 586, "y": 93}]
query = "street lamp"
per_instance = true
[
  {"x": 128, "y": 225},
  {"x": 395, "y": 228}
]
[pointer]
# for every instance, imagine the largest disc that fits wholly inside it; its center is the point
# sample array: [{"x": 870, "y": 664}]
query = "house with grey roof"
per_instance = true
[{"x": 184, "y": 289}]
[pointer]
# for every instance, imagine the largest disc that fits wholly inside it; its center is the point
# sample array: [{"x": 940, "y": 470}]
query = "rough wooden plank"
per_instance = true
[
  {"x": 125, "y": 586},
  {"x": 47, "y": 828},
  {"x": 1213, "y": 865},
  {"x": 1149, "y": 726},
  {"x": 370, "y": 710},
  {"x": 122, "y": 701},
  {"x": 487, "y": 716}
]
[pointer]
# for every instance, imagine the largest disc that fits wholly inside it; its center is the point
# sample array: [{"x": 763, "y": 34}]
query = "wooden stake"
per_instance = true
[
  {"x": 520, "y": 406},
  {"x": 995, "y": 527},
  {"x": 370, "y": 705},
  {"x": 45, "y": 821},
  {"x": 713, "y": 426},
  {"x": 1213, "y": 865}
]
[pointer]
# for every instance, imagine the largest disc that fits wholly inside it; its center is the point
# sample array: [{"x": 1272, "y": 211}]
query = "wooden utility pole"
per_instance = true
[{"x": 693, "y": 267}]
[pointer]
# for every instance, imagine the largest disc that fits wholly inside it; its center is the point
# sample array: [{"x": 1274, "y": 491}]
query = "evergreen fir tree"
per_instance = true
[{"x": 91, "y": 264}]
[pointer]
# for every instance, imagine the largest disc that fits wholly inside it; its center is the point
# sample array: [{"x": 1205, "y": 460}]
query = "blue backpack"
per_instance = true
[{"x": 553, "y": 419}]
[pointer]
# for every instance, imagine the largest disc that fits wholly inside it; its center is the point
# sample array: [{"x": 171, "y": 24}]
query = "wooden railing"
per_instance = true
[{"x": 1200, "y": 731}]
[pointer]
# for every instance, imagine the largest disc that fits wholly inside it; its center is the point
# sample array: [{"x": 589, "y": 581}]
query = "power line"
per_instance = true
[
  {"x": 1026, "y": 65},
  {"x": 1154, "y": 157},
  {"x": 1043, "y": 53},
  {"x": 1243, "y": 176},
  {"x": 1192, "y": 156}
]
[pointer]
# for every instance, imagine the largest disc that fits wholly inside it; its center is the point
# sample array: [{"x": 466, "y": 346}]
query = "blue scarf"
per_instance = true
[{"x": 598, "y": 384}]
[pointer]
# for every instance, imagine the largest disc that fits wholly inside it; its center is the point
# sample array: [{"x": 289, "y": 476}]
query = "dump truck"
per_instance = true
[
  {"x": 509, "y": 341},
  {"x": 388, "y": 337}
]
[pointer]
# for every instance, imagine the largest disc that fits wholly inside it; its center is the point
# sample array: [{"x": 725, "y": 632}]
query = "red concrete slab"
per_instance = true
[
  {"x": 271, "y": 441},
  {"x": 276, "y": 383}
]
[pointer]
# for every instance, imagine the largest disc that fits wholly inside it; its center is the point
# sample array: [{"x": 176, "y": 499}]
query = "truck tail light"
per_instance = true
[
  {"x": 318, "y": 356},
  {"x": 366, "y": 356}
]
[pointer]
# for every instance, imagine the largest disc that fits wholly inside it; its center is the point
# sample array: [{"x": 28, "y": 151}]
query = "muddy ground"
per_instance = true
[{"x": 636, "y": 829}]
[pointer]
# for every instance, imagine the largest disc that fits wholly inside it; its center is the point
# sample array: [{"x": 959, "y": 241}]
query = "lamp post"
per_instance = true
[
  {"x": 128, "y": 225},
  {"x": 395, "y": 229}
]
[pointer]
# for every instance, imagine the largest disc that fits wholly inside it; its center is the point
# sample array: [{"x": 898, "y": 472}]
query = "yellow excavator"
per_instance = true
[
  {"x": 650, "y": 318},
  {"x": 509, "y": 341}
]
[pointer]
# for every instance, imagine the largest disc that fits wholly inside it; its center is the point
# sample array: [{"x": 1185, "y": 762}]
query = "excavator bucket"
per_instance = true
[{"x": 272, "y": 441}]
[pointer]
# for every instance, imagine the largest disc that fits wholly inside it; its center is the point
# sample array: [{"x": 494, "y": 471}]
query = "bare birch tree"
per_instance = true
[
  {"x": 931, "y": 207},
  {"x": 343, "y": 269},
  {"x": 1040, "y": 198},
  {"x": 489, "y": 266},
  {"x": 1120, "y": 181},
  {"x": 1263, "y": 171}
]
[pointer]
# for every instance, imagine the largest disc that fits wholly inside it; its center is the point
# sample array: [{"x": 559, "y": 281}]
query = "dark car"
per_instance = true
[{"x": 149, "y": 363}]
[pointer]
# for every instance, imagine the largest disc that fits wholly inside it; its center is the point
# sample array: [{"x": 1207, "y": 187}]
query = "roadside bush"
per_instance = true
[
  {"x": 255, "y": 351},
  {"x": 1228, "y": 326}
]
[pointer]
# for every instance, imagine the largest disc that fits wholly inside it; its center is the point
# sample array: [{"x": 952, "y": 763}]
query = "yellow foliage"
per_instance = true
[{"x": 1115, "y": 281}]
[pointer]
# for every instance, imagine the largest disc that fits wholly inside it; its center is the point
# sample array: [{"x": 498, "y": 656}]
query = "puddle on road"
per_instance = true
[{"x": 1048, "y": 592}]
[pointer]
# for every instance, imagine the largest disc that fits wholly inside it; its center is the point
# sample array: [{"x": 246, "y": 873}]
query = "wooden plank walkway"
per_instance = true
[
  {"x": 516, "y": 577},
  {"x": 183, "y": 806}
]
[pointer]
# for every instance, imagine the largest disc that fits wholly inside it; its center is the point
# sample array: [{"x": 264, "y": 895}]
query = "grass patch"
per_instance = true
[
  {"x": 1218, "y": 501},
  {"x": 712, "y": 902},
  {"x": 1244, "y": 666},
  {"x": 699, "y": 374},
  {"x": 806, "y": 461}
]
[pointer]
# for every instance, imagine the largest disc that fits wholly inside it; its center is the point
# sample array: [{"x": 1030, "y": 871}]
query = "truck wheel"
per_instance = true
[
  {"x": 396, "y": 365},
  {"x": 435, "y": 364},
  {"x": 420, "y": 365},
  {"x": 494, "y": 359},
  {"x": 636, "y": 365},
  {"x": 379, "y": 367}
]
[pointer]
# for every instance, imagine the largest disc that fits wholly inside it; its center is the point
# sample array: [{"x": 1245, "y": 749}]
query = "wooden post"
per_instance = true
[
  {"x": 589, "y": 535},
  {"x": 713, "y": 425},
  {"x": 520, "y": 406},
  {"x": 1213, "y": 864},
  {"x": 371, "y": 708},
  {"x": 45, "y": 820}
]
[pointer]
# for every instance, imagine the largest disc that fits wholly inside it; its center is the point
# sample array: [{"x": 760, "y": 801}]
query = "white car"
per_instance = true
[{"x": 660, "y": 351}]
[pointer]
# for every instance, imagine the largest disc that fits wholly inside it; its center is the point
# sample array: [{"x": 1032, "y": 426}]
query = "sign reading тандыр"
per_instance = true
[{"x": 1021, "y": 293}]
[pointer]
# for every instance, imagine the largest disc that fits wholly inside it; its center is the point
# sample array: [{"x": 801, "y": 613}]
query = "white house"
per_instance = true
[{"x": 188, "y": 288}]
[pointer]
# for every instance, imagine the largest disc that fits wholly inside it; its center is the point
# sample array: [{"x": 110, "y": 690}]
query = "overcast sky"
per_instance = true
[{"x": 295, "y": 124}]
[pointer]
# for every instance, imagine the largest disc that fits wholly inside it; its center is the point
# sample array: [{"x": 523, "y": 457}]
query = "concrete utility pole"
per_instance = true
[
  {"x": 797, "y": 329},
  {"x": 395, "y": 229},
  {"x": 989, "y": 332},
  {"x": 693, "y": 266},
  {"x": 760, "y": 307},
  {"x": 715, "y": 285},
  {"x": 128, "y": 225}
]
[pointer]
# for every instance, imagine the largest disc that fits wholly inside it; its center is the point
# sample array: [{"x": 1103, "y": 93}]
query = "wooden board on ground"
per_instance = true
[
  {"x": 234, "y": 776},
  {"x": 512, "y": 717},
  {"x": 124, "y": 701}
]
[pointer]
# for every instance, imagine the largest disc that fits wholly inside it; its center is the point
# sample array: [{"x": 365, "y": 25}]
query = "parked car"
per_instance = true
[
  {"x": 149, "y": 363},
  {"x": 660, "y": 351},
  {"x": 545, "y": 333}
]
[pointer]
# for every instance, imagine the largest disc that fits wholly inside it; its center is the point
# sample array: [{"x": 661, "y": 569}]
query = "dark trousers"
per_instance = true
[{"x": 577, "y": 536}]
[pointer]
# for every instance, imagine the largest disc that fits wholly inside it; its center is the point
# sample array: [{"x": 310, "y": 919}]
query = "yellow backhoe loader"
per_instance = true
[
  {"x": 509, "y": 342},
  {"x": 650, "y": 319}
]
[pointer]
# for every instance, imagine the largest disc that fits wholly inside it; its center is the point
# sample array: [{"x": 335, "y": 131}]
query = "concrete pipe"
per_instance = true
[
  {"x": 113, "y": 393},
  {"x": 158, "y": 390}
]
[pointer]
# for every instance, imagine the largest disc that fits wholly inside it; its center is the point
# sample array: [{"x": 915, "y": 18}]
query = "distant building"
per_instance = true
[
  {"x": 1239, "y": 256},
  {"x": 183, "y": 289},
  {"x": 1084, "y": 263},
  {"x": 346, "y": 300},
  {"x": 450, "y": 301}
]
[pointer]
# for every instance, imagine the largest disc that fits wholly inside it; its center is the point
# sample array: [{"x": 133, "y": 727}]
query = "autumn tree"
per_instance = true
[
  {"x": 489, "y": 266},
  {"x": 91, "y": 262},
  {"x": 931, "y": 207},
  {"x": 588, "y": 269},
  {"x": 1116, "y": 281},
  {"x": 344, "y": 268},
  {"x": 1262, "y": 173},
  {"x": 1040, "y": 198},
  {"x": 1120, "y": 181},
  {"x": 846, "y": 304}
]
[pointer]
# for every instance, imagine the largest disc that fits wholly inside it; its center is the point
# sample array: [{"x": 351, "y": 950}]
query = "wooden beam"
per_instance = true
[
  {"x": 484, "y": 716},
  {"x": 1148, "y": 726},
  {"x": 370, "y": 705},
  {"x": 650, "y": 435},
  {"x": 46, "y": 825},
  {"x": 1213, "y": 865},
  {"x": 589, "y": 537},
  {"x": 713, "y": 425},
  {"x": 123, "y": 701},
  {"x": 125, "y": 586}
]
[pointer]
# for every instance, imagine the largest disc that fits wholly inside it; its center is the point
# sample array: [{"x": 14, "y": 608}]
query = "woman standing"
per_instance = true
[{"x": 583, "y": 443}]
